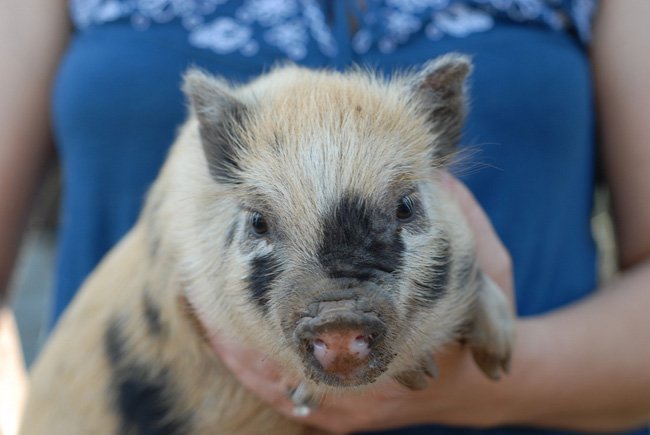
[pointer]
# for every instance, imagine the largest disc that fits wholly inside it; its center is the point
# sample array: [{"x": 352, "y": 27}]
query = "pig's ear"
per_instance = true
[
  {"x": 439, "y": 87},
  {"x": 221, "y": 116}
]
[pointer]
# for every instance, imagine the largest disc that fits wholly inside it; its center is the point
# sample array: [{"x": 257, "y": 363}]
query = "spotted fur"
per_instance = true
[{"x": 326, "y": 159}]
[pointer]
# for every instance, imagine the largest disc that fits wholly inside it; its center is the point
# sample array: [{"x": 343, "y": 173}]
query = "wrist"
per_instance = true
[{"x": 518, "y": 394}]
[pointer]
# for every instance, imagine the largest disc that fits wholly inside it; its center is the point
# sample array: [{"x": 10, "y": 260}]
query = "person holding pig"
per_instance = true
[{"x": 532, "y": 102}]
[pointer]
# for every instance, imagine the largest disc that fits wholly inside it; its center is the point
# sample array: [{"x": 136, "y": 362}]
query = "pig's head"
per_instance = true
[{"x": 311, "y": 223}]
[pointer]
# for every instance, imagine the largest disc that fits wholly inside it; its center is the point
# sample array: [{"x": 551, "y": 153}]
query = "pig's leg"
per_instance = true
[{"x": 492, "y": 332}]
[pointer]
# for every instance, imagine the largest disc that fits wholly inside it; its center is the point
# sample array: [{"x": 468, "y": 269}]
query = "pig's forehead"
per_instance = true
[
  {"x": 330, "y": 137},
  {"x": 319, "y": 160},
  {"x": 294, "y": 105}
]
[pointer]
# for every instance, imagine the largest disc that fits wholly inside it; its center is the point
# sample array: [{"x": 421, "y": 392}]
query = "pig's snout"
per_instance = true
[
  {"x": 340, "y": 336},
  {"x": 342, "y": 352}
]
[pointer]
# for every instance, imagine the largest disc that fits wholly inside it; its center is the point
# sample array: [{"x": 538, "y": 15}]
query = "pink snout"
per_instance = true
[
  {"x": 342, "y": 351},
  {"x": 341, "y": 338}
]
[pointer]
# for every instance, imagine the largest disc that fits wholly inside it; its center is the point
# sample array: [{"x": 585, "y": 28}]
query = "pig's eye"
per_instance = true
[
  {"x": 258, "y": 224},
  {"x": 405, "y": 208}
]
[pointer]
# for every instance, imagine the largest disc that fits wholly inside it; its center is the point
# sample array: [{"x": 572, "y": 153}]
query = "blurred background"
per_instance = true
[{"x": 32, "y": 278}]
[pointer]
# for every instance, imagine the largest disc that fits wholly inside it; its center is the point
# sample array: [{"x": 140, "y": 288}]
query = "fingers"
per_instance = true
[
  {"x": 257, "y": 372},
  {"x": 262, "y": 376},
  {"x": 243, "y": 359}
]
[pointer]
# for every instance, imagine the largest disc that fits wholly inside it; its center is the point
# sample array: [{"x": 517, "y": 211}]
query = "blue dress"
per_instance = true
[{"x": 117, "y": 106}]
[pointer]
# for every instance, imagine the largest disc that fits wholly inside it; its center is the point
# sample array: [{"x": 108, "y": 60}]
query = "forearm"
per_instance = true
[
  {"x": 19, "y": 180},
  {"x": 32, "y": 36},
  {"x": 585, "y": 367}
]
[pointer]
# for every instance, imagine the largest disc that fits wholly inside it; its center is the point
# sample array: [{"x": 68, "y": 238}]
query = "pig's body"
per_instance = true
[
  {"x": 302, "y": 214},
  {"x": 121, "y": 363}
]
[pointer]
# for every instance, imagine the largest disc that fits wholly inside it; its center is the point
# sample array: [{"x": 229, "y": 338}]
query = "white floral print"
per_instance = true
[
  {"x": 319, "y": 30},
  {"x": 416, "y": 6},
  {"x": 225, "y": 35},
  {"x": 291, "y": 37},
  {"x": 287, "y": 25},
  {"x": 583, "y": 11},
  {"x": 294, "y": 26},
  {"x": 87, "y": 12},
  {"x": 268, "y": 12},
  {"x": 142, "y": 12},
  {"x": 458, "y": 20}
]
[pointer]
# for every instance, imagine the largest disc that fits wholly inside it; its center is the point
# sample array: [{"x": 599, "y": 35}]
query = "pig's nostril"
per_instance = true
[
  {"x": 320, "y": 344},
  {"x": 361, "y": 341}
]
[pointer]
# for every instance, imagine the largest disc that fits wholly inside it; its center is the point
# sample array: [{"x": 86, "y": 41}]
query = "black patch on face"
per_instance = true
[
  {"x": 114, "y": 343},
  {"x": 152, "y": 314},
  {"x": 264, "y": 271},
  {"x": 437, "y": 281},
  {"x": 142, "y": 398},
  {"x": 359, "y": 242}
]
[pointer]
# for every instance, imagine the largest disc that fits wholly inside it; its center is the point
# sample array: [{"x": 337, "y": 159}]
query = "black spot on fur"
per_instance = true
[
  {"x": 437, "y": 281},
  {"x": 152, "y": 314},
  {"x": 114, "y": 343},
  {"x": 359, "y": 242},
  {"x": 264, "y": 270},
  {"x": 142, "y": 398}
]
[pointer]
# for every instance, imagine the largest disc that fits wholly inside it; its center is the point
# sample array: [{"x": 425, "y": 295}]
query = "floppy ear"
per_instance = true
[
  {"x": 439, "y": 87},
  {"x": 221, "y": 117}
]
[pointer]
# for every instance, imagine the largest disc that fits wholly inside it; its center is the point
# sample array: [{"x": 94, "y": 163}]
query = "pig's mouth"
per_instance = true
[{"x": 343, "y": 343}]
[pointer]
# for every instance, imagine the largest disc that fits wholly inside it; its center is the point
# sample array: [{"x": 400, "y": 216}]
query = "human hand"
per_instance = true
[
  {"x": 461, "y": 395},
  {"x": 13, "y": 378}
]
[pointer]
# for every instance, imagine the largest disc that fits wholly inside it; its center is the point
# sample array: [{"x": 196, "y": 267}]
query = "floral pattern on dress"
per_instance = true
[
  {"x": 459, "y": 21},
  {"x": 142, "y": 13},
  {"x": 289, "y": 25},
  {"x": 400, "y": 19},
  {"x": 225, "y": 35},
  {"x": 294, "y": 26}
]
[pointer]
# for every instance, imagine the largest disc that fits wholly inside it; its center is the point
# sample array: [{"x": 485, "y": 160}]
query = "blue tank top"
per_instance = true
[{"x": 529, "y": 135}]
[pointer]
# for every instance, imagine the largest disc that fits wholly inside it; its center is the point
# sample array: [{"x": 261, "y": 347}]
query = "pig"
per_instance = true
[{"x": 302, "y": 214}]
